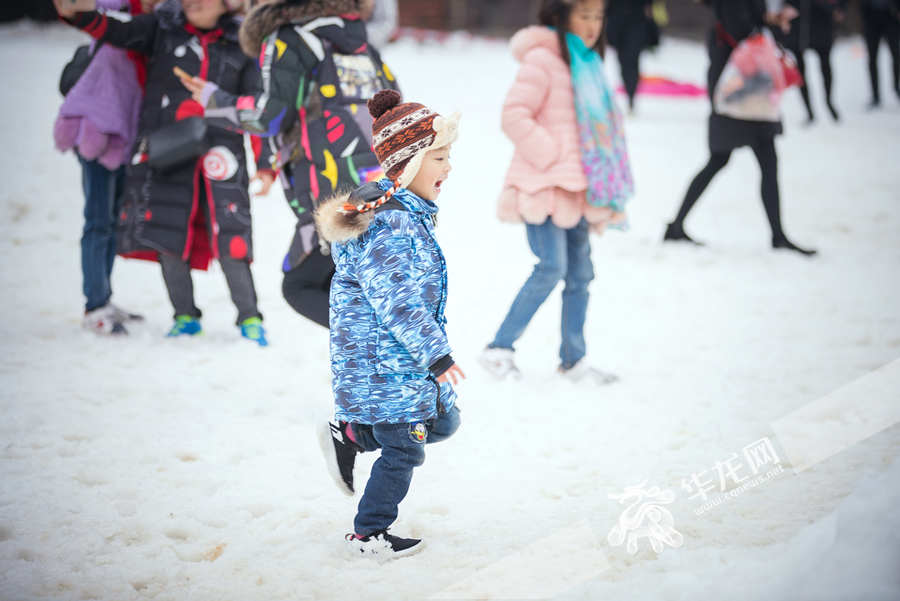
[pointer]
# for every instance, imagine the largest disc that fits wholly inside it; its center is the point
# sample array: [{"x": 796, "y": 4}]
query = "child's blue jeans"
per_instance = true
[
  {"x": 562, "y": 254},
  {"x": 102, "y": 199},
  {"x": 402, "y": 450}
]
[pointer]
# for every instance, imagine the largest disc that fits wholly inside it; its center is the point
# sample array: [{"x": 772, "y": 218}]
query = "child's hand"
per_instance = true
[
  {"x": 450, "y": 375},
  {"x": 267, "y": 178},
  {"x": 193, "y": 84},
  {"x": 69, "y": 8}
]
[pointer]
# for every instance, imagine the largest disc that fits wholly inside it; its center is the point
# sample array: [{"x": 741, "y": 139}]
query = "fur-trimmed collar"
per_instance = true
[
  {"x": 264, "y": 19},
  {"x": 336, "y": 225},
  {"x": 170, "y": 15}
]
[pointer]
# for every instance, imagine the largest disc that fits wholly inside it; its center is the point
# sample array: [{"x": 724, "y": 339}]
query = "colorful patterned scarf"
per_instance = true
[{"x": 600, "y": 131}]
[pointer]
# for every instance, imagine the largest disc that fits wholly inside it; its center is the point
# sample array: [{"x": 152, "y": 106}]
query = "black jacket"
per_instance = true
[
  {"x": 160, "y": 210},
  {"x": 317, "y": 72}
]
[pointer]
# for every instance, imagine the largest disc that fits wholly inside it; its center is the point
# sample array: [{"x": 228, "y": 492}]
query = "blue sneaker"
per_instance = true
[
  {"x": 252, "y": 329},
  {"x": 185, "y": 325}
]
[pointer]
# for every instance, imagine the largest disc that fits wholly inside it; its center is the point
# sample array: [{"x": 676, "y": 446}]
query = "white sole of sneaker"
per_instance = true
[
  {"x": 326, "y": 443},
  {"x": 386, "y": 555},
  {"x": 410, "y": 551},
  {"x": 490, "y": 367}
]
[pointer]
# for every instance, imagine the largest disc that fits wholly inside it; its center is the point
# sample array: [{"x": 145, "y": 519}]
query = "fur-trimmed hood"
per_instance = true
[
  {"x": 334, "y": 225},
  {"x": 264, "y": 19},
  {"x": 533, "y": 37}
]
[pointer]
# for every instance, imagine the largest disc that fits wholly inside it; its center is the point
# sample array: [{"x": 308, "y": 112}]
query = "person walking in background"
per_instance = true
[
  {"x": 318, "y": 71},
  {"x": 629, "y": 22},
  {"x": 570, "y": 174},
  {"x": 814, "y": 28},
  {"x": 392, "y": 372},
  {"x": 381, "y": 22},
  {"x": 98, "y": 120},
  {"x": 733, "y": 21},
  {"x": 187, "y": 213},
  {"x": 882, "y": 20}
]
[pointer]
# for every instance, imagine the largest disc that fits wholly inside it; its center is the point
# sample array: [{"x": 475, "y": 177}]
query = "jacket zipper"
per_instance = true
[{"x": 440, "y": 406}]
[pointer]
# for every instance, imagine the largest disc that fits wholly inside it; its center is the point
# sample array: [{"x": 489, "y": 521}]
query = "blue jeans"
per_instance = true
[
  {"x": 562, "y": 254},
  {"x": 402, "y": 450},
  {"x": 102, "y": 200}
]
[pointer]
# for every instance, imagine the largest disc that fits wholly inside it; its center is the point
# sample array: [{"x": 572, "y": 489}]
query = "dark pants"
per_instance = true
[
  {"x": 825, "y": 61},
  {"x": 307, "y": 286},
  {"x": 177, "y": 274},
  {"x": 401, "y": 452},
  {"x": 764, "y": 149},
  {"x": 102, "y": 201},
  {"x": 628, "y": 33},
  {"x": 880, "y": 24}
]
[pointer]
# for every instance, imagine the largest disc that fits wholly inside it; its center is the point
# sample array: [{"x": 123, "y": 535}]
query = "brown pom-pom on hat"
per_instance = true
[
  {"x": 403, "y": 132},
  {"x": 382, "y": 102}
]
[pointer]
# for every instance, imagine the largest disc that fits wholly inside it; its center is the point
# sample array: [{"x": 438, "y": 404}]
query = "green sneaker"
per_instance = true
[
  {"x": 252, "y": 329},
  {"x": 185, "y": 325}
]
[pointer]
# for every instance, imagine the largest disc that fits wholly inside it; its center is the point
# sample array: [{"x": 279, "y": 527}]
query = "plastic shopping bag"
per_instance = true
[{"x": 757, "y": 73}]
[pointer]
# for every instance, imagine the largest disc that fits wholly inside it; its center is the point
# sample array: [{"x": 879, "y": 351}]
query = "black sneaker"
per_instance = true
[
  {"x": 340, "y": 453},
  {"x": 386, "y": 545}
]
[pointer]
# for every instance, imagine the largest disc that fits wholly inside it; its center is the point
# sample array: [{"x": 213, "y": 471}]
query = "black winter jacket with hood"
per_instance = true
[
  {"x": 317, "y": 73},
  {"x": 161, "y": 211}
]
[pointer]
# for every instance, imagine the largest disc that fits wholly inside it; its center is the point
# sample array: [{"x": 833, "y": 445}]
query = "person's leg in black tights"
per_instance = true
[
  {"x": 804, "y": 89},
  {"x": 179, "y": 285},
  {"x": 892, "y": 33},
  {"x": 764, "y": 149},
  {"x": 630, "y": 54},
  {"x": 718, "y": 160},
  {"x": 824, "y": 53},
  {"x": 307, "y": 286},
  {"x": 873, "y": 39}
]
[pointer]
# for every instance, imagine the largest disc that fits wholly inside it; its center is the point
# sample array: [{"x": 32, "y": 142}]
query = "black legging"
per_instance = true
[
  {"x": 177, "y": 276},
  {"x": 764, "y": 149},
  {"x": 630, "y": 37},
  {"x": 307, "y": 286},
  {"x": 880, "y": 24},
  {"x": 825, "y": 61}
]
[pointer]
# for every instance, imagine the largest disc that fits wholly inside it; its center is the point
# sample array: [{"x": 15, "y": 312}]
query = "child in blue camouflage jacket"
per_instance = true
[{"x": 390, "y": 359}]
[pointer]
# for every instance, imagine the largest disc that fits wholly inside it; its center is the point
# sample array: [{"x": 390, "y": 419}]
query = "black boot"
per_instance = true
[
  {"x": 675, "y": 232},
  {"x": 783, "y": 242},
  {"x": 834, "y": 113}
]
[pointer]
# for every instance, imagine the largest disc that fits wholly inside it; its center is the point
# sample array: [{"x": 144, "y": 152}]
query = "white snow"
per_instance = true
[{"x": 188, "y": 469}]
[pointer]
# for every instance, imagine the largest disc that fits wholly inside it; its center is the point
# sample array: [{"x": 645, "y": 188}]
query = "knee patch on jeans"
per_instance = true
[{"x": 417, "y": 432}]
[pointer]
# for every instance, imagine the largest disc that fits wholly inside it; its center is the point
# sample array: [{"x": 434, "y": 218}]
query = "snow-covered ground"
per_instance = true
[{"x": 188, "y": 469}]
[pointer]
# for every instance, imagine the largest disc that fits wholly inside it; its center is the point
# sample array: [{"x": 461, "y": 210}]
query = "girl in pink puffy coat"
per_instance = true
[{"x": 569, "y": 176}]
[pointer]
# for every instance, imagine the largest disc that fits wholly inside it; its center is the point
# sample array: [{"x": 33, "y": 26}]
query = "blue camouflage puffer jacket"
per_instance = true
[{"x": 387, "y": 308}]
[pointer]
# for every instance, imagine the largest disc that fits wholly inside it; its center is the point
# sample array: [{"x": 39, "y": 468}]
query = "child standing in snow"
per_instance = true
[
  {"x": 188, "y": 212},
  {"x": 569, "y": 176},
  {"x": 390, "y": 359}
]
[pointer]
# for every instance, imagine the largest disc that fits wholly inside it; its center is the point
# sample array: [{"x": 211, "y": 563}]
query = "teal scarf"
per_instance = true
[{"x": 600, "y": 132}]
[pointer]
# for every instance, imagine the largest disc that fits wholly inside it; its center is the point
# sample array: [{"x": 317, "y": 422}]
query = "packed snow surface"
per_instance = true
[{"x": 145, "y": 467}]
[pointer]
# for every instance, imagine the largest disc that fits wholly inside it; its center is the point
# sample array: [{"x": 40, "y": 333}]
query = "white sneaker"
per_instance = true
[
  {"x": 580, "y": 371},
  {"x": 125, "y": 316},
  {"x": 104, "y": 320},
  {"x": 499, "y": 362}
]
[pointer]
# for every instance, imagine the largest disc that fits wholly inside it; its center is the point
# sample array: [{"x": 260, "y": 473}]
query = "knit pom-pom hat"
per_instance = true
[{"x": 403, "y": 133}]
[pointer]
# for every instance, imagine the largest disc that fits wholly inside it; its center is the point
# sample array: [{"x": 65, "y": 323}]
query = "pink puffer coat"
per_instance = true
[{"x": 539, "y": 117}]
